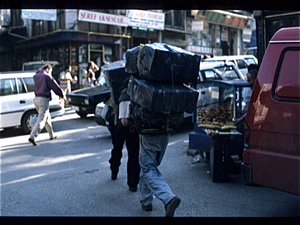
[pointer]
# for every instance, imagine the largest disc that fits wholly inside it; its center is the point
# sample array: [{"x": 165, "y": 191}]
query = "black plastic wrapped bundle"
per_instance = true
[
  {"x": 162, "y": 97},
  {"x": 153, "y": 123},
  {"x": 131, "y": 60},
  {"x": 166, "y": 63},
  {"x": 115, "y": 73},
  {"x": 116, "y": 76}
]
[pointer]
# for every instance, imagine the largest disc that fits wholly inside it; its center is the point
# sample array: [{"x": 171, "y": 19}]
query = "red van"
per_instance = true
[{"x": 271, "y": 155}]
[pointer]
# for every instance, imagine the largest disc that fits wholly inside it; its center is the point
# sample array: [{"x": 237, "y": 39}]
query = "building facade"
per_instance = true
[
  {"x": 219, "y": 32},
  {"x": 75, "y": 37}
]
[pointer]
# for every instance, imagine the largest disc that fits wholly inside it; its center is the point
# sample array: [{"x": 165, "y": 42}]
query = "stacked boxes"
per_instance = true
[{"x": 156, "y": 87}]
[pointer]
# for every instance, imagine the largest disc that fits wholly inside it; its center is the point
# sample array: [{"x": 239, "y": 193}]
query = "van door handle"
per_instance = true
[{"x": 22, "y": 101}]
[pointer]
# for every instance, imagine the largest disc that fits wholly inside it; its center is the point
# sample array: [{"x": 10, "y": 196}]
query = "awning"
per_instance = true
[
  {"x": 224, "y": 18},
  {"x": 59, "y": 36}
]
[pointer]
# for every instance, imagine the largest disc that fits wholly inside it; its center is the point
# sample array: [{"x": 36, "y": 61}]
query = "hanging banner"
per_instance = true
[
  {"x": 39, "y": 14},
  {"x": 95, "y": 17},
  {"x": 146, "y": 19}
]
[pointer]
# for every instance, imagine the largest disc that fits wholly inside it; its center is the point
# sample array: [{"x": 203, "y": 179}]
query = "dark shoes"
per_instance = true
[
  {"x": 32, "y": 141},
  {"x": 147, "y": 208},
  {"x": 53, "y": 138},
  {"x": 133, "y": 189},
  {"x": 114, "y": 175},
  {"x": 171, "y": 206}
]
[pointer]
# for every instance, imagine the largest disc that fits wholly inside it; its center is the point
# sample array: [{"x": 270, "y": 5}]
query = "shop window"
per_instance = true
[
  {"x": 288, "y": 82},
  {"x": 139, "y": 32},
  {"x": 152, "y": 34},
  {"x": 206, "y": 35}
]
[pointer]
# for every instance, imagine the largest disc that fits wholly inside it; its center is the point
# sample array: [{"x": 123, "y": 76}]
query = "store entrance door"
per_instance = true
[{"x": 96, "y": 54}]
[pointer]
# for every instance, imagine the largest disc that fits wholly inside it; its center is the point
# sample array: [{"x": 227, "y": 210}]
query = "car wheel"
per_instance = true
[
  {"x": 29, "y": 120},
  {"x": 81, "y": 114}
]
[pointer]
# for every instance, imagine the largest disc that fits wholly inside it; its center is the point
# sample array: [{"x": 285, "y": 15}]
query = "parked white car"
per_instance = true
[
  {"x": 241, "y": 61},
  {"x": 16, "y": 101}
]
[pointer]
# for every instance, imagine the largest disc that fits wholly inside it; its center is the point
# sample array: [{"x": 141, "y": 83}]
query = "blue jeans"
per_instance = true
[{"x": 151, "y": 183}]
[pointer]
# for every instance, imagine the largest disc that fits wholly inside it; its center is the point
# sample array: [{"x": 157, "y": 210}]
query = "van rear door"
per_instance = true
[{"x": 272, "y": 136}]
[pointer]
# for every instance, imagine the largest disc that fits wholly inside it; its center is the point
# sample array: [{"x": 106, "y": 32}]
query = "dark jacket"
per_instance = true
[{"x": 44, "y": 83}]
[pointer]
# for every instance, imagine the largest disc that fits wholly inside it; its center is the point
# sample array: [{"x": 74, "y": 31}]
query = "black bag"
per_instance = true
[
  {"x": 116, "y": 78},
  {"x": 162, "y": 97},
  {"x": 166, "y": 63},
  {"x": 153, "y": 123},
  {"x": 131, "y": 56}
]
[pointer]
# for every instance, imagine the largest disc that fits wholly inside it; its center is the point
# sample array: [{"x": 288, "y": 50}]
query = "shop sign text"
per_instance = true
[{"x": 95, "y": 17}]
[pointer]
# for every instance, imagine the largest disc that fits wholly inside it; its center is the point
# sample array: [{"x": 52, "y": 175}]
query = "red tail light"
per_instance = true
[{"x": 61, "y": 101}]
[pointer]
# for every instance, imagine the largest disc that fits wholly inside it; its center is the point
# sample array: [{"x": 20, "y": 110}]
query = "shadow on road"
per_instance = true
[{"x": 64, "y": 125}]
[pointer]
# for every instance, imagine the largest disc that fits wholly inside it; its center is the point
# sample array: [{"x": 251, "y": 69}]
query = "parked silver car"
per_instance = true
[
  {"x": 16, "y": 101},
  {"x": 240, "y": 61}
]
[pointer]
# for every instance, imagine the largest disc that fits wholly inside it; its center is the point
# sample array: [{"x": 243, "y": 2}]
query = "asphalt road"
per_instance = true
[{"x": 70, "y": 177}]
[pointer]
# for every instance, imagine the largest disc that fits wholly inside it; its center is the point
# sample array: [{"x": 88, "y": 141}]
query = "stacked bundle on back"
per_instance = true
[
  {"x": 156, "y": 86},
  {"x": 163, "y": 63},
  {"x": 116, "y": 78},
  {"x": 162, "y": 97}
]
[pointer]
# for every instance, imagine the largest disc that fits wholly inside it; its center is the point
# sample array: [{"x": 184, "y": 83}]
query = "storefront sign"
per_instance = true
[
  {"x": 39, "y": 14},
  {"x": 95, "y": 17},
  {"x": 146, "y": 19},
  {"x": 247, "y": 35},
  {"x": 225, "y": 18},
  {"x": 199, "y": 49},
  {"x": 197, "y": 25}
]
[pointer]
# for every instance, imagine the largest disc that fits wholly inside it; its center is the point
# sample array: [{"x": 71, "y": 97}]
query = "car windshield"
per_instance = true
[
  {"x": 34, "y": 67},
  {"x": 228, "y": 72}
]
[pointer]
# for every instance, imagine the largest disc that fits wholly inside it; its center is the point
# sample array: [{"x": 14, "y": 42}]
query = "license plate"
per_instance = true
[{"x": 76, "y": 108}]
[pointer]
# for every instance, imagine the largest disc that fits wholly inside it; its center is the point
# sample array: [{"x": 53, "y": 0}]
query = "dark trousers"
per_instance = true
[{"x": 119, "y": 135}]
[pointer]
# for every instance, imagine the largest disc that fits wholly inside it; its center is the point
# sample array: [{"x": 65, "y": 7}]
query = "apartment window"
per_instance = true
[
  {"x": 61, "y": 21},
  {"x": 40, "y": 27},
  {"x": 175, "y": 19},
  {"x": 37, "y": 27}
]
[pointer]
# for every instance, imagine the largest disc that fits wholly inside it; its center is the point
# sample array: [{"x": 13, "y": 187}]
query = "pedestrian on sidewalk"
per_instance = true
[
  {"x": 91, "y": 69},
  {"x": 65, "y": 81},
  {"x": 44, "y": 83}
]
